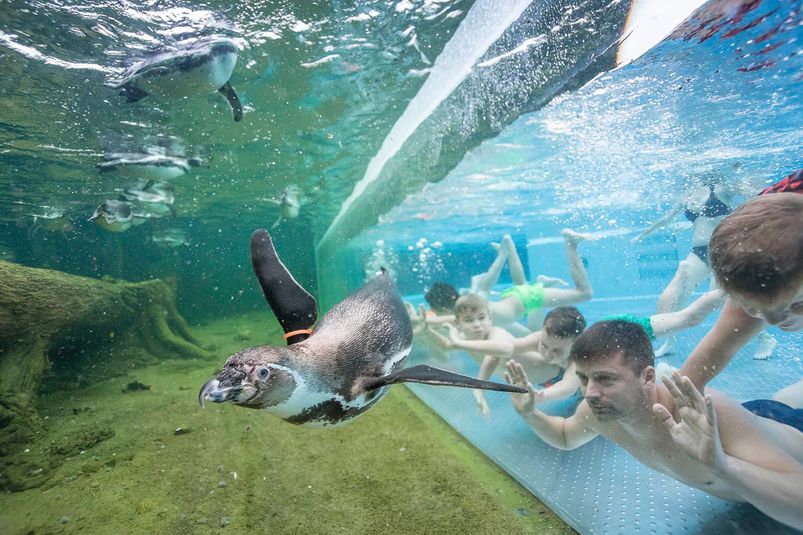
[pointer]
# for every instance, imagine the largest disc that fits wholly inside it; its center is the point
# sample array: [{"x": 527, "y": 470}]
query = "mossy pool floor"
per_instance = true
[{"x": 397, "y": 469}]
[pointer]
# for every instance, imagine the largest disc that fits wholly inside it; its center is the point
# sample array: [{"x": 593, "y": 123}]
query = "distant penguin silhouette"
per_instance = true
[
  {"x": 289, "y": 204},
  {"x": 196, "y": 66},
  {"x": 147, "y": 166},
  {"x": 339, "y": 371},
  {"x": 113, "y": 215}
]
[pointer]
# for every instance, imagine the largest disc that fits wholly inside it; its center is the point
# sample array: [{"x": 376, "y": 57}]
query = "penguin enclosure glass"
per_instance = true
[{"x": 472, "y": 213}]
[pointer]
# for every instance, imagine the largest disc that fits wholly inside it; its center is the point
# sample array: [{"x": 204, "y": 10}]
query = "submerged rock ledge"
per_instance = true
[{"x": 58, "y": 330}]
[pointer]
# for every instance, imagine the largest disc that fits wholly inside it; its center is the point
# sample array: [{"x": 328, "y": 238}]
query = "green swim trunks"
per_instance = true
[
  {"x": 644, "y": 321},
  {"x": 531, "y": 296}
]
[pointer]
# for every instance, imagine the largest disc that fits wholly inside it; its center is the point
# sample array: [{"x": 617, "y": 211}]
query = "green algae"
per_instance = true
[{"x": 398, "y": 468}]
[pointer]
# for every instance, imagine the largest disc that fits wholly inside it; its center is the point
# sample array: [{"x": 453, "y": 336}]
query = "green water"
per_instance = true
[{"x": 113, "y": 462}]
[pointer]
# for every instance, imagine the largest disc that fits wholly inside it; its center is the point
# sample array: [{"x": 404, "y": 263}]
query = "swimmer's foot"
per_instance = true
[
  {"x": 508, "y": 245},
  {"x": 551, "y": 282},
  {"x": 574, "y": 237},
  {"x": 766, "y": 345},
  {"x": 668, "y": 348}
]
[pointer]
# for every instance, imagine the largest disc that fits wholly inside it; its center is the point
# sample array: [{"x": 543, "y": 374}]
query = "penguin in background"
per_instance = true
[{"x": 335, "y": 373}]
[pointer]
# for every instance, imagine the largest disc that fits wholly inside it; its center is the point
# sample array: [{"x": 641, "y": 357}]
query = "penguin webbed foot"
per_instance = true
[
  {"x": 435, "y": 376},
  {"x": 234, "y": 101}
]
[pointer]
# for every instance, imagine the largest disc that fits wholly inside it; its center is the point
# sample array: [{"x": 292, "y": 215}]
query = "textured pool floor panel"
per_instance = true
[{"x": 599, "y": 488}]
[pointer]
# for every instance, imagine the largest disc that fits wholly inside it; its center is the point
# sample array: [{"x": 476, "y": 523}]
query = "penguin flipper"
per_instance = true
[
  {"x": 436, "y": 376},
  {"x": 234, "y": 101},
  {"x": 293, "y": 306}
]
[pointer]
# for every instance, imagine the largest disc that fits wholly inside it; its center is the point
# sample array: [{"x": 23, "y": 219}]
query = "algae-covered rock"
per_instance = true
[{"x": 79, "y": 330}]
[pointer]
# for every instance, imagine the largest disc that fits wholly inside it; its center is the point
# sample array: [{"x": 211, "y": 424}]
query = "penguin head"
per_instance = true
[{"x": 258, "y": 378}]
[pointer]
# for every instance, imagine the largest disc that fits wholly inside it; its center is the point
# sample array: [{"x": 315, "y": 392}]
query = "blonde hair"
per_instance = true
[{"x": 469, "y": 303}]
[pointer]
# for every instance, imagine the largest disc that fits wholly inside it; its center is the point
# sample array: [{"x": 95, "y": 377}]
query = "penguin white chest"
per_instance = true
[{"x": 311, "y": 406}]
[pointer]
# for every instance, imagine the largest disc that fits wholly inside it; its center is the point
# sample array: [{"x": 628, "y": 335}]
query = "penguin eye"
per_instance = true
[{"x": 263, "y": 373}]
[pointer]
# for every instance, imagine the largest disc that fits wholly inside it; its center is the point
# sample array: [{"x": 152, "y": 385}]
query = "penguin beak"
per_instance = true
[{"x": 217, "y": 392}]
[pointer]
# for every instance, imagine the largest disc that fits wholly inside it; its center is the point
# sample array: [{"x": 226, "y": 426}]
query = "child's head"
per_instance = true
[
  {"x": 473, "y": 316},
  {"x": 757, "y": 255},
  {"x": 441, "y": 297},
  {"x": 562, "y": 325}
]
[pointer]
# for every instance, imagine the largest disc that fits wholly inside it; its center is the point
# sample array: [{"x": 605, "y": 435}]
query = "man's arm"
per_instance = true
[
  {"x": 562, "y": 433},
  {"x": 733, "y": 329},
  {"x": 724, "y": 436},
  {"x": 755, "y": 466}
]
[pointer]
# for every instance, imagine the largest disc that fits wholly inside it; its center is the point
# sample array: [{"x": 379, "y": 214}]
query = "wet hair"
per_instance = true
[
  {"x": 608, "y": 339},
  {"x": 469, "y": 303},
  {"x": 441, "y": 296},
  {"x": 757, "y": 250},
  {"x": 564, "y": 322}
]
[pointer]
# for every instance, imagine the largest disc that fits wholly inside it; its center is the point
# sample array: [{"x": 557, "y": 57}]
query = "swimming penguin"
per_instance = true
[
  {"x": 150, "y": 192},
  {"x": 170, "y": 237},
  {"x": 195, "y": 67},
  {"x": 50, "y": 218},
  {"x": 339, "y": 371},
  {"x": 148, "y": 166},
  {"x": 113, "y": 215},
  {"x": 290, "y": 203}
]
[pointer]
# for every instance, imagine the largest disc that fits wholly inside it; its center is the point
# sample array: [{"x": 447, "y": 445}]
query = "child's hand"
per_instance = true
[
  {"x": 422, "y": 314},
  {"x": 419, "y": 321},
  {"x": 410, "y": 311},
  {"x": 515, "y": 375},
  {"x": 454, "y": 334},
  {"x": 539, "y": 396}
]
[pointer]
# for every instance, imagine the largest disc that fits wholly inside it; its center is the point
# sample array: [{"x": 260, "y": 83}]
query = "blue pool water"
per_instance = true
[
  {"x": 608, "y": 159},
  {"x": 599, "y": 488}
]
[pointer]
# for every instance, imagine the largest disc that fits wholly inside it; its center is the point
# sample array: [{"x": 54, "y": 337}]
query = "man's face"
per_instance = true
[
  {"x": 475, "y": 324},
  {"x": 554, "y": 349},
  {"x": 786, "y": 311},
  {"x": 611, "y": 388}
]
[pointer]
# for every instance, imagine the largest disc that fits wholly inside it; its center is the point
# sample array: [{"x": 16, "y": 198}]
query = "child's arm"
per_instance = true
[
  {"x": 732, "y": 330},
  {"x": 418, "y": 321},
  {"x": 660, "y": 222},
  {"x": 436, "y": 337},
  {"x": 526, "y": 343},
  {"x": 489, "y": 364},
  {"x": 440, "y": 320},
  {"x": 563, "y": 389},
  {"x": 495, "y": 345}
]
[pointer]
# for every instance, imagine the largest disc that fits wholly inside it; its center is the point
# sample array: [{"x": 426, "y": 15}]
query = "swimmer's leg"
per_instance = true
[
  {"x": 551, "y": 282},
  {"x": 792, "y": 395},
  {"x": 691, "y": 316},
  {"x": 483, "y": 283},
  {"x": 513, "y": 261},
  {"x": 690, "y": 273},
  {"x": 582, "y": 292}
]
